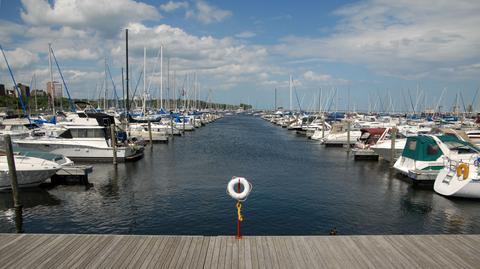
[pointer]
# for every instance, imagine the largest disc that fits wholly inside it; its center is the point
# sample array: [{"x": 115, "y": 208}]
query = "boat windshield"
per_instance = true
[{"x": 461, "y": 148}]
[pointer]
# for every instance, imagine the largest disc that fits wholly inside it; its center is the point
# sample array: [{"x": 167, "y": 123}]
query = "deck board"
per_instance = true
[{"x": 131, "y": 251}]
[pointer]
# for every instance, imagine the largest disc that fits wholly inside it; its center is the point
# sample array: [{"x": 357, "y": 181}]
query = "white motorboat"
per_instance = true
[
  {"x": 31, "y": 171},
  {"x": 339, "y": 136},
  {"x": 140, "y": 130},
  {"x": 87, "y": 143},
  {"x": 459, "y": 178},
  {"x": 426, "y": 153},
  {"x": 16, "y": 128}
]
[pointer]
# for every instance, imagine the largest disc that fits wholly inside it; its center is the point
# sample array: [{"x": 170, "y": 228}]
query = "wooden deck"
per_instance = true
[{"x": 137, "y": 251}]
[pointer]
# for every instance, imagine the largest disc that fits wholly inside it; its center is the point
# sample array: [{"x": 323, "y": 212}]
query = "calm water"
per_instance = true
[{"x": 299, "y": 187}]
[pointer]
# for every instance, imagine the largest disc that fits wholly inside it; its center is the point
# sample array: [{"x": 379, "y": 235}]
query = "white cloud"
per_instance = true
[
  {"x": 107, "y": 16},
  {"x": 407, "y": 39},
  {"x": 18, "y": 58},
  {"x": 172, "y": 6},
  {"x": 245, "y": 34},
  {"x": 310, "y": 75},
  {"x": 206, "y": 13},
  {"x": 80, "y": 54}
]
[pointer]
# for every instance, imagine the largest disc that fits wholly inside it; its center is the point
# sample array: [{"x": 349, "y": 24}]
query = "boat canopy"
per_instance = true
[{"x": 424, "y": 147}]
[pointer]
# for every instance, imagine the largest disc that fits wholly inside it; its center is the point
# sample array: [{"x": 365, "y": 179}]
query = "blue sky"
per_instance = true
[{"x": 372, "y": 53}]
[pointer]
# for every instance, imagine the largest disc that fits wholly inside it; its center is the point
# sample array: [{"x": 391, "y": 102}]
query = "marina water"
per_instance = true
[{"x": 299, "y": 188}]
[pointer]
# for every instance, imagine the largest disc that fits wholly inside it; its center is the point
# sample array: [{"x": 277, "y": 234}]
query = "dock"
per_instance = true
[{"x": 159, "y": 251}]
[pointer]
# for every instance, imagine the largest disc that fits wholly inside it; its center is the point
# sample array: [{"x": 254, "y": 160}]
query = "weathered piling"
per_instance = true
[
  {"x": 393, "y": 136},
  {"x": 150, "y": 133},
  {"x": 12, "y": 171},
  {"x": 113, "y": 139}
]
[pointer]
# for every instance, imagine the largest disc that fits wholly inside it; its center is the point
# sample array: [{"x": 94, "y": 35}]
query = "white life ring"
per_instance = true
[{"x": 247, "y": 187}]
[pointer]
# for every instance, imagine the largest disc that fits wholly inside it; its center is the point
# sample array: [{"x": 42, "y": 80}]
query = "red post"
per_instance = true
[{"x": 238, "y": 219}]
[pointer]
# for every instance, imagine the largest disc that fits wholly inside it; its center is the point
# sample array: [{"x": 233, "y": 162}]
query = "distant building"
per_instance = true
[
  {"x": 56, "y": 90},
  {"x": 24, "y": 90},
  {"x": 3, "y": 92},
  {"x": 38, "y": 93}
]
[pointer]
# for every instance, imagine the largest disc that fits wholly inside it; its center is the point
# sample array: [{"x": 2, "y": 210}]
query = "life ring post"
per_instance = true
[
  {"x": 239, "y": 205},
  {"x": 240, "y": 196}
]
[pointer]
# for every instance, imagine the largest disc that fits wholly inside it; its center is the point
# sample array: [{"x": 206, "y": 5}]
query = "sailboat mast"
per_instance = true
[
  {"x": 290, "y": 84},
  {"x": 105, "y": 104},
  {"x": 144, "y": 79},
  {"x": 161, "y": 76},
  {"x": 52, "y": 87},
  {"x": 126, "y": 70}
]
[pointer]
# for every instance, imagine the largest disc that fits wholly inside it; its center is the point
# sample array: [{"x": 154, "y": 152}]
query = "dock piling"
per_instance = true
[
  {"x": 113, "y": 138},
  {"x": 392, "y": 146},
  {"x": 150, "y": 133},
  {"x": 12, "y": 171}
]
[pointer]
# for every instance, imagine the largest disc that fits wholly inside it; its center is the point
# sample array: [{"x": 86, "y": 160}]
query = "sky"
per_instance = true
[{"x": 375, "y": 54}]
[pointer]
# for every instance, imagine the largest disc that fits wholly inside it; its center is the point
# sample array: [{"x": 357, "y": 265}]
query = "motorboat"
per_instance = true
[
  {"x": 459, "y": 178},
  {"x": 426, "y": 153},
  {"x": 31, "y": 171},
  {"x": 82, "y": 143}
]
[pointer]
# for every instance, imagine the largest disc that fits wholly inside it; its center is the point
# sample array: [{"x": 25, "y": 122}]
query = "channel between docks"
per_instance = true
[{"x": 158, "y": 251}]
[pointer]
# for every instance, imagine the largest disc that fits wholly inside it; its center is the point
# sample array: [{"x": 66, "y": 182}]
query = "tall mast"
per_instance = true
[
  {"x": 175, "y": 90},
  {"x": 126, "y": 71},
  {"x": 290, "y": 84},
  {"x": 168, "y": 84},
  {"x": 105, "y": 104},
  {"x": 144, "y": 79},
  {"x": 161, "y": 76},
  {"x": 36, "y": 91},
  {"x": 52, "y": 87}
]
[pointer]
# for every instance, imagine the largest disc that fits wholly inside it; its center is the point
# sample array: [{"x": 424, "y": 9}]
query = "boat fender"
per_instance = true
[
  {"x": 463, "y": 169},
  {"x": 247, "y": 188}
]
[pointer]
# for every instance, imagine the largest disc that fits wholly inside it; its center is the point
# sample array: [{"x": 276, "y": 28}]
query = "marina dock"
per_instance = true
[{"x": 142, "y": 251}]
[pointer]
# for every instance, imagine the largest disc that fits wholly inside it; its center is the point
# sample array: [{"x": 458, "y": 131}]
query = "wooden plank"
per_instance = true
[
  {"x": 166, "y": 255},
  {"x": 143, "y": 252},
  {"x": 200, "y": 253},
  {"x": 156, "y": 249},
  {"x": 228, "y": 251},
  {"x": 209, "y": 253},
  {"x": 120, "y": 251},
  {"x": 25, "y": 261},
  {"x": 105, "y": 252}
]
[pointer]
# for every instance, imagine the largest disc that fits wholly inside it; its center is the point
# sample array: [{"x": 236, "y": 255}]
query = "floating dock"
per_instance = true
[{"x": 143, "y": 251}]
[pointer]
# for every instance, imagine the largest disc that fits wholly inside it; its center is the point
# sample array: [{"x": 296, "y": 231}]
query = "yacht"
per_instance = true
[
  {"x": 83, "y": 143},
  {"x": 426, "y": 153},
  {"x": 369, "y": 137},
  {"x": 338, "y": 136},
  {"x": 16, "y": 128},
  {"x": 459, "y": 178},
  {"x": 31, "y": 171},
  {"x": 140, "y": 130}
]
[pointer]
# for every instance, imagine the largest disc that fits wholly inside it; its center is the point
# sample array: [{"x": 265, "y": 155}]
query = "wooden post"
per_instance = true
[
  {"x": 150, "y": 133},
  {"x": 12, "y": 171},
  {"x": 348, "y": 136},
  {"x": 393, "y": 136},
  {"x": 113, "y": 139}
]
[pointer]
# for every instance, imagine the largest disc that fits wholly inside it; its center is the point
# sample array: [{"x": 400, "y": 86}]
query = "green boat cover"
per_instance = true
[{"x": 424, "y": 148}]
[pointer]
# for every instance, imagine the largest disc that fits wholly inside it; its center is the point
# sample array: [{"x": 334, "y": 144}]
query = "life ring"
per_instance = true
[
  {"x": 463, "y": 169},
  {"x": 242, "y": 196}
]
